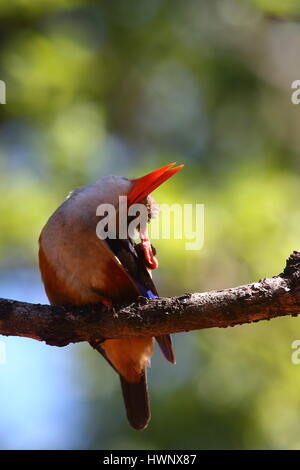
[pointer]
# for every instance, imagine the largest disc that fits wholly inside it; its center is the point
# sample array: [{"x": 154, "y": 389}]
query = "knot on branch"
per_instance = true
[{"x": 292, "y": 269}]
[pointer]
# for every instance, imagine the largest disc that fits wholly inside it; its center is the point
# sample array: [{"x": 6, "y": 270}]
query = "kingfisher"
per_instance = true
[{"x": 78, "y": 268}]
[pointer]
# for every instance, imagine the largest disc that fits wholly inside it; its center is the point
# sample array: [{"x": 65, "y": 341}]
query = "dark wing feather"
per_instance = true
[{"x": 132, "y": 260}]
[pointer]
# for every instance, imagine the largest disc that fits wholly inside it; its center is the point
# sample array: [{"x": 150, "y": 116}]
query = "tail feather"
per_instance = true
[
  {"x": 135, "y": 395},
  {"x": 136, "y": 401}
]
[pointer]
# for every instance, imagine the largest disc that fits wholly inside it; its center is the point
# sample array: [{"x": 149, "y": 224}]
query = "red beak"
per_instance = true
[{"x": 146, "y": 184}]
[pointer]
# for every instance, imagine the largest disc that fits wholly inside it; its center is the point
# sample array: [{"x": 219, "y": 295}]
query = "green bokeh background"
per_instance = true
[{"x": 95, "y": 88}]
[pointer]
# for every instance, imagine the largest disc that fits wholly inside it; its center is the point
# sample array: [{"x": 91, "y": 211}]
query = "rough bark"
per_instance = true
[{"x": 59, "y": 326}]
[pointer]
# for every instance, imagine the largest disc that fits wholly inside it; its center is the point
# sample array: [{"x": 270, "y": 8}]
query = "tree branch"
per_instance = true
[{"x": 59, "y": 326}]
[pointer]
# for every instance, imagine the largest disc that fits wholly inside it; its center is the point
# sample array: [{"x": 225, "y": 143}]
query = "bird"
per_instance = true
[{"x": 79, "y": 268}]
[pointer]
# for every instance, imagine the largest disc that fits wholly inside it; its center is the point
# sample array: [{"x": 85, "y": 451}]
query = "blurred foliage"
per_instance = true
[{"x": 123, "y": 87}]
